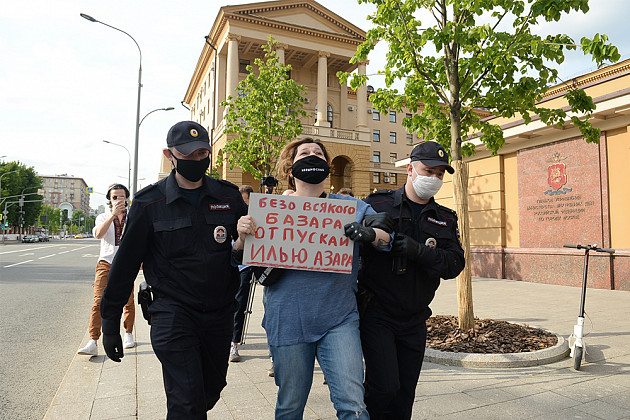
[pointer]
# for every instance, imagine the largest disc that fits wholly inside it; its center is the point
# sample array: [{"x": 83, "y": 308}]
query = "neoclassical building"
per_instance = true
[
  {"x": 546, "y": 187},
  {"x": 317, "y": 43}
]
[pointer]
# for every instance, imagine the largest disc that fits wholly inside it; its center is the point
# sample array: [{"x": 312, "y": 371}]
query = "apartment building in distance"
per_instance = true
[{"x": 66, "y": 192}]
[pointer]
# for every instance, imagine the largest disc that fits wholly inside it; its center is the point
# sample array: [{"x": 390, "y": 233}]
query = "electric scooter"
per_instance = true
[{"x": 578, "y": 347}]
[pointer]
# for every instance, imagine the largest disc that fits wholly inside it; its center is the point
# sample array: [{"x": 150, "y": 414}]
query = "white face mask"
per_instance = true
[{"x": 426, "y": 186}]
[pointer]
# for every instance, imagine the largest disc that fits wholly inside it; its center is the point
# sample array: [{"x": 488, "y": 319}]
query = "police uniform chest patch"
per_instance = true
[
  {"x": 431, "y": 242},
  {"x": 220, "y": 234},
  {"x": 219, "y": 206},
  {"x": 436, "y": 222}
]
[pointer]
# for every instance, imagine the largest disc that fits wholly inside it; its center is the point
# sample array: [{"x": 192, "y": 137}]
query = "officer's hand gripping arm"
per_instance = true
[{"x": 383, "y": 221}]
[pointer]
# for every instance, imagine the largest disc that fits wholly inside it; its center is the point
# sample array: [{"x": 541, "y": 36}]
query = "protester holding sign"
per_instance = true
[{"x": 311, "y": 314}]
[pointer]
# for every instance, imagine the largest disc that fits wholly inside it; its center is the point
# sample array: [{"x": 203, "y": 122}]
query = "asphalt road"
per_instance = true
[{"x": 45, "y": 299}]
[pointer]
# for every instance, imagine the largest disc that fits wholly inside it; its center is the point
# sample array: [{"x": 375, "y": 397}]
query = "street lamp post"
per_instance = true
[
  {"x": 129, "y": 154},
  {"x": 135, "y": 151},
  {"x": 170, "y": 108}
]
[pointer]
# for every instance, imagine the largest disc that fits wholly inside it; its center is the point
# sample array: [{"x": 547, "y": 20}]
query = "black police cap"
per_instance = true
[
  {"x": 431, "y": 154},
  {"x": 188, "y": 136}
]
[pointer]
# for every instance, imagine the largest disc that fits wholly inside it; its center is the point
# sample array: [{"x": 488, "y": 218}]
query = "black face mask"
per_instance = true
[
  {"x": 192, "y": 170},
  {"x": 311, "y": 169}
]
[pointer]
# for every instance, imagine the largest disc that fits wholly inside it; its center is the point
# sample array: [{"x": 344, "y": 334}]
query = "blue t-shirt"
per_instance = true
[{"x": 304, "y": 305}]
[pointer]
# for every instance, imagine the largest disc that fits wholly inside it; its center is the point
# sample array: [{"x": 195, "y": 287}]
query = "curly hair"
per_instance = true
[{"x": 287, "y": 156}]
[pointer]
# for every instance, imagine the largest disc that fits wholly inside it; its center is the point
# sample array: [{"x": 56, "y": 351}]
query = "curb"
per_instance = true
[{"x": 505, "y": 360}]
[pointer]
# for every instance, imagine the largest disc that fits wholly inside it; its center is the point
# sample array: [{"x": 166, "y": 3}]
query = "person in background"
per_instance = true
[
  {"x": 313, "y": 314},
  {"x": 181, "y": 230},
  {"x": 108, "y": 228},
  {"x": 345, "y": 191},
  {"x": 242, "y": 295},
  {"x": 396, "y": 288}
]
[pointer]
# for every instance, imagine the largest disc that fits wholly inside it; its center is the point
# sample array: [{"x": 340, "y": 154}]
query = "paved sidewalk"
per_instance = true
[{"x": 97, "y": 388}]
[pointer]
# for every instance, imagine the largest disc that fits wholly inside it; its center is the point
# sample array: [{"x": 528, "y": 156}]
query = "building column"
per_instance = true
[
  {"x": 322, "y": 89},
  {"x": 280, "y": 49},
  {"x": 345, "y": 114},
  {"x": 362, "y": 100},
  {"x": 231, "y": 82},
  {"x": 221, "y": 83}
]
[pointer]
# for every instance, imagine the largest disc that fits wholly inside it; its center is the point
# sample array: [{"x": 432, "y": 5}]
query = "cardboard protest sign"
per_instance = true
[{"x": 303, "y": 233}]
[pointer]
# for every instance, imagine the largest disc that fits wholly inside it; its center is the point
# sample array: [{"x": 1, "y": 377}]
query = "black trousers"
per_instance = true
[
  {"x": 241, "y": 297},
  {"x": 193, "y": 348},
  {"x": 393, "y": 350}
]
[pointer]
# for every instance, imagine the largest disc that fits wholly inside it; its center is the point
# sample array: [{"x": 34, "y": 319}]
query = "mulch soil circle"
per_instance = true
[{"x": 488, "y": 336}]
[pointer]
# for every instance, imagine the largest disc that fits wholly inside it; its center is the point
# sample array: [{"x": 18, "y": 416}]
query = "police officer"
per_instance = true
[
  {"x": 395, "y": 288},
  {"x": 181, "y": 230}
]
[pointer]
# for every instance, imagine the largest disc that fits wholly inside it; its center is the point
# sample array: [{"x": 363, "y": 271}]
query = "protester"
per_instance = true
[
  {"x": 242, "y": 296},
  {"x": 108, "y": 228},
  {"x": 396, "y": 288},
  {"x": 311, "y": 314},
  {"x": 181, "y": 229}
]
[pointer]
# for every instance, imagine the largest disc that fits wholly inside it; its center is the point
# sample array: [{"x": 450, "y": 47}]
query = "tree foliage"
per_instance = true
[
  {"x": 265, "y": 115},
  {"x": 488, "y": 57},
  {"x": 24, "y": 181}
]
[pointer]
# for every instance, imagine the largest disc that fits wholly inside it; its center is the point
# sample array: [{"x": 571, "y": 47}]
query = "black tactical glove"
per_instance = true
[
  {"x": 113, "y": 346},
  {"x": 359, "y": 233},
  {"x": 381, "y": 221},
  {"x": 404, "y": 246}
]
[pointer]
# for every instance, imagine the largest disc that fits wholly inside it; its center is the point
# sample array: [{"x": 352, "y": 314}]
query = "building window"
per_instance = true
[
  {"x": 393, "y": 179},
  {"x": 376, "y": 178},
  {"x": 376, "y": 115},
  {"x": 408, "y": 116},
  {"x": 392, "y": 116},
  {"x": 392, "y": 137},
  {"x": 409, "y": 138},
  {"x": 329, "y": 114},
  {"x": 376, "y": 135},
  {"x": 376, "y": 157},
  {"x": 242, "y": 66},
  {"x": 393, "y": 157},
  {"x": 386, "y": 177}
]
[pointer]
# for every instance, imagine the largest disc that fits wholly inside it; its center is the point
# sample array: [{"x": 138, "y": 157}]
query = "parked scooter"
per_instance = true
[{"x": 578, "y": 348}]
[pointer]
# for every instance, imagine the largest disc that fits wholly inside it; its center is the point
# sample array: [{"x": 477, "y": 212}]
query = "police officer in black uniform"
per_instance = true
[
  {"x": 181, "y": 229},
  {"x": 395, "y": 288}
]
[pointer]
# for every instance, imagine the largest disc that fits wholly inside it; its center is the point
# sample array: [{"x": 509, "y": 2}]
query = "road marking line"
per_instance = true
[
  {"x": 13, "y": 265},
  {"x": 38, "y": 248},
  {"x": 47, "y": 256},
  {"x": 65, "y": 252},
  {"x": 28, "y": 253}
]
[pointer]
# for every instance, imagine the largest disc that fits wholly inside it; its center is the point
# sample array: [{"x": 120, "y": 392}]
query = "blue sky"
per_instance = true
[{"x": 66, "y": 84}]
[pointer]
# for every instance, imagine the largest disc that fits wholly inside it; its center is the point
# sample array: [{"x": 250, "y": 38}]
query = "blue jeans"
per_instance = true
[{"x": 339, "y": 355}]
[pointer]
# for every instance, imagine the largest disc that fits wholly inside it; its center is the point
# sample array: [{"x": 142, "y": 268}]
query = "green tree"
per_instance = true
[
  {"x": 487, "y": 57},
  {"x": 264, "y": 116},
  {"x": 24, "y": 181},
  {"x": 52, "y": 216}
]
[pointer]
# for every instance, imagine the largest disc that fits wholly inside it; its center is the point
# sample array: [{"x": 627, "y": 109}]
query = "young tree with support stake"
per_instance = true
[
  {"x": 264, "y": 116},
  {"x": 487, "y": 57}
]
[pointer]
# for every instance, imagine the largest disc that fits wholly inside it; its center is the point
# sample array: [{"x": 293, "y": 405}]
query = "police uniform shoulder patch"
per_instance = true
[
  {"x": 227, "y": 183},
  {"x": 146, "y": 190},
  {"x": 446, "y": 209},
  {"x": 380, "y": 192}
]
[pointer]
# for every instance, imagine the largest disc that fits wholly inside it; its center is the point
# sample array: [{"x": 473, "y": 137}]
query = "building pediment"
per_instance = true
[{"x": 302, "y": 15}]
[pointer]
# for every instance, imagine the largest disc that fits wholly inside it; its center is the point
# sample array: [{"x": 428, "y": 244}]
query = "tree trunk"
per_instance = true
[{"x": 464, "y": 280}]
